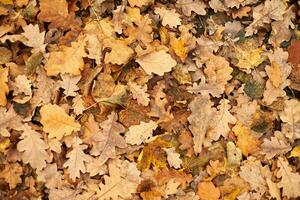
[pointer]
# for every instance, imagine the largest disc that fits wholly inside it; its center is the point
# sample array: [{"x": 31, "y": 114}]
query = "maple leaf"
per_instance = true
[
  {"x": 106, "y": 141},
  {"x": 173, "y": 158},
  {"x": 57, "y": 122},
  {"x": 200, "y": 118},
  {"x": 77, "y": 159},
  {"x": 290, "y": 181},
  {"x": 57, "y": 62},
  {"x": 139, "y": 93},
  {"x": 68, "y": 83},
  {"x": 245, "y": 140},
  {"x": 189, "y": 6},
  {"x": 3, "y": 85},
  {"x": 157, "y": 62},
  {"x": 33, "y": 148},
  {"x": 11, "y": 174},
  {"x": 122, "y": 182},
  {"x": 169, "y": 17},
  {"x": 208, "y": 191},
  {"x": 35, "y": 39},
  {"x": 138, "y": 134}
]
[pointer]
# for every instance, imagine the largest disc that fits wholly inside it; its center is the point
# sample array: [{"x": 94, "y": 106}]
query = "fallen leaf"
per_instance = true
[
  {"x": 56, "y": 122},
  {"x": 208, "y": 191},
  {"x": 168, "y": 17},
  {"x": 138, "y": 134},
  {"x": 3, "y": 85},
  {"x": 12, "y": 174}
]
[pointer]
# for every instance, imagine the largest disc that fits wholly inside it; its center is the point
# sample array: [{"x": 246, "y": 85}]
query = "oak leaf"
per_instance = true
[
  {"x": 50, "y": 176},
  {"x": 138, "y": 134},
  {"x": 108, "y": 139},
  {"x": 173, "y": 158},
  {"x": 157, "y": 62},
  {"x": 57, "y": 62},
  {"x": 56, "y": 122},
  {"x": 22, "y": 89},
  {"x": 168, "y": 17},
  {"x": 9, "y": 120},
  {"x": 189, "y": 6},
  {"x": 48, "y": 14},
  {"x": 290, "y": 181},
  {"x": 77, "y": 159},
  {"x": 33, "y": 148},
  {"x": 122, "y": 182},
  {"x": 139, "y": 3},
  {"x": 139, "y": 93},
  {"x": 69, "y": 84},
  {"x": 274, "y": 146}
]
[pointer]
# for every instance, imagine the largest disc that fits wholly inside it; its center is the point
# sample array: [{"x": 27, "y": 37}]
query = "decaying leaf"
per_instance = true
[{"x": 11, "y": 173}]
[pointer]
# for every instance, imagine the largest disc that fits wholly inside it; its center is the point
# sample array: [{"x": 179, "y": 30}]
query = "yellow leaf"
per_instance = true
[
  {"x": 164, "y": 35},
  {"x": 248, "y": 55},
  {"x": 139, "y": 3},
  {"x": 6, "y": 2},
  {"x": 57, "y": 122},
  {"x": 275, "y": 74},
  {"x": 3, "y": 85},
  {"x": 11, "y": 173},
  {"x": 295, "y": 152},
  {"x": 4, "y": 144},
  {"x": 245, "y": 140},
  {"x": 120, "y": 52},
  {"x": 178, "y": 45},
  {"x": 208, "y": 191},
  {"x": 69, "y": 60},
  {"x": 154, "y": 154}
]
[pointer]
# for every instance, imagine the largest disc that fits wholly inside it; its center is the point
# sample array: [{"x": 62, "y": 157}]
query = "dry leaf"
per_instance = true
[
  {"x": 274, "y": 147},
  {"x": 56, "y": 122},
  {"x": 69, "y": 84},
  {"x": 33, "y": 148},
  {"x": 168, "y": 17},
  {"x": 11, "y": 173},
  {"x": 35, "y": 38},
  {"x": 189, "y": 6},
  {"x": 57, "y": 62},
  {"x": 139, "y": 93},
  {"x": 139, "y": 3},
  {"x": 138, "y": 134},
  {"x": 290, "y": 181},
  {"x": 77, "y": 159},
  {"x": 3, "y": 85},
  {"x": 157, "y": 62},
  {"x": 173, "y": 158},
  {"x": 208, "y": 191},
  {"x": 295, "y": 152}
]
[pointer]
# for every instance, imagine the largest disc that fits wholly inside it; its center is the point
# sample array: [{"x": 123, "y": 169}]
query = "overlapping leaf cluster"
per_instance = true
[{"x": 149, "y": 99}]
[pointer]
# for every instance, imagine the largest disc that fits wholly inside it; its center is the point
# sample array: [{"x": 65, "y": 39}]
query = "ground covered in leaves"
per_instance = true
[{"x": 149, "y": 99}]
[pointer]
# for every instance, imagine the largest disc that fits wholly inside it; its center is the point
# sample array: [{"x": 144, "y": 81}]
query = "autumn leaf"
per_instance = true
[
  {"x": 139, "y": 93},
  {"x": 77, "y": 159},
  {"x": 3, "y": 85},
  {"x": 56, "y": 122},
  {"x": 138, "y": 134},
  {"x": 12, "y": 174},
  {"x": 73, "y": 65},
  {"x": 208, "y": 191},
  {"x": 168, "y": 17},
  {"x": 157, "y": 62},
  {"x": 295, "y": 152},
  {"x": 245, "y": 140}
]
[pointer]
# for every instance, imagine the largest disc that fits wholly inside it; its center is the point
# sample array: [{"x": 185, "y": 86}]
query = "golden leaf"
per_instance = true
[
  {"x": 178, "y": 46},
  {"x": 3, "y": 85},
  {"x": 11, "y": 174},
  {"x": 6, "y": 2},
  {"x": 245, "y": 140},
  {"x": 57, "y": 122},
  {"x": 248, "y": 55},
  {"x": 208, "y": 191},
  {"x": 68, "y": 60},
  {"x": 295, "y": 152}
]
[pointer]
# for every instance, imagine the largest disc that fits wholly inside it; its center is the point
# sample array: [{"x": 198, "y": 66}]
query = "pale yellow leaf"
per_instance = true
[
  {"x": 137, "y": 134},
  {"x": 157, "y": 62},
  {"x": 168, "y": 17},
  {"x": 11, "y": 174}
]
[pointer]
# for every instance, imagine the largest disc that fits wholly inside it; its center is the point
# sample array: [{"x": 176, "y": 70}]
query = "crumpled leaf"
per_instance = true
[
  {"x": 290, "y": 181},
  {"x": 106, "y": 141},
  {"x": 56, "y": 122},
  {"x": 157, "y": 62},
  {"x": 122, "y": 182},
  {"x": 33, "y": 148},
  {"x": 138, "y": 134},
  {"x": 274, "y": 146}
]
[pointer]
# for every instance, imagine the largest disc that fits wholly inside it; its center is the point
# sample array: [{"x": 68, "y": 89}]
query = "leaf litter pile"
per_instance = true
[{"x": 149, "y": 99}]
